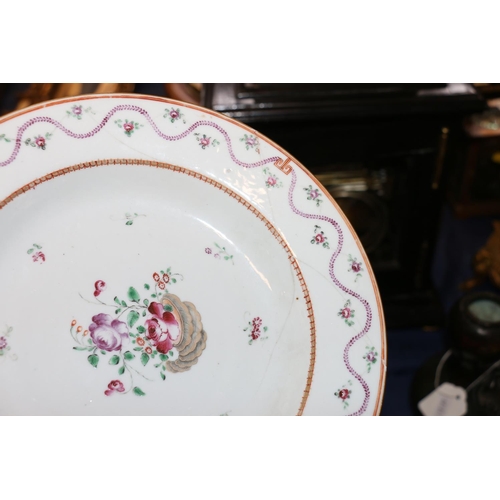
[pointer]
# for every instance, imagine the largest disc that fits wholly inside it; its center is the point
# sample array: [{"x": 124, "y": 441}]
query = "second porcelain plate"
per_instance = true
[{"x": 160, "y": 259}]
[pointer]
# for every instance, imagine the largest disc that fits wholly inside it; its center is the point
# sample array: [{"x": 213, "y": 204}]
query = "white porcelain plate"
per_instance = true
[{"x": 157, "y": 258}]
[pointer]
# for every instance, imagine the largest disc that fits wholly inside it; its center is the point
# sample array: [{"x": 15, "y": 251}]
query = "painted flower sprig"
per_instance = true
[
  {"x": 271, "y": 180},
  {"x": 174, "y": 114},
  {"x": 36, "y": 254},
  {"x": 370, "y": 357},
  {"x": 346, "y": 313},
  {"x": 251, "y": 142},
  {"x": 355, "y": 267},
  {"x": 77, "y": 111},
  {"x": 313, "y": 194},
  {"x": 128, "y": 126},
  {"x": 344, "y": 393},
  {"x": 205, "y": 141},
  {"x": 256, "y": 329},
  {"x": 221, "y": 252},
  {"x": 39, "y": 141},
  {"x": 319, "y": 237}
]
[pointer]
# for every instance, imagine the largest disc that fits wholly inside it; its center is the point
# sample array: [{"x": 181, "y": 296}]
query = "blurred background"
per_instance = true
[{"x": 416, "y": 169}]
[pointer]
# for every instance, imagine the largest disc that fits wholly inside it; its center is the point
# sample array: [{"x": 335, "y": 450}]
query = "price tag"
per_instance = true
[{"x": 446, "y": 400}]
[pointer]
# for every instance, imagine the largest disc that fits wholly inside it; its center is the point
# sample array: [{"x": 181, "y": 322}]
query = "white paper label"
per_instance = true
[{"x": 446, "y": 400}]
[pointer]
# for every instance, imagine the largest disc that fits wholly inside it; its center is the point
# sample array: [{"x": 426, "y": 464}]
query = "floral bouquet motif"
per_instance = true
[{"x": 165, "y": 331}]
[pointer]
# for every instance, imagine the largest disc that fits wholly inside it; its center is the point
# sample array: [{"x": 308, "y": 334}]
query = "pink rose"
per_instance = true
[
  {"x": 128, "y": 126},
  {"x": 346, "y": 312},
  {"x": 205, "y": 141},
  {"x": 271, "y": 181},
  {"x": 344, "y": 394},
  {"x": 162, "y": 328},
  {"x": 77, "y": 110},
  {"x": 250, "y": 141},
  {"x": 319, "y": 238},
  {"x": 114, "y": 385},
  {"x": 314, "y": 193},
  {"x": 3, "y": 342},
  {"x": 174, "y": 114},
  {"x": 107, "y": 333},
  {"x": 40, "y": 142},
  {"x": 370, "y": 356},
  {"x": 356, "y": 267},
  {"x": 208, "y": 250}
]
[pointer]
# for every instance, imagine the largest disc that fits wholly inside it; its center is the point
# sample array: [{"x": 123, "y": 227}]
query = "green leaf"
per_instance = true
[
  {"x": 93, "y": 359},
  {"x": 138, "y": 391},
  {"x": 143, "y": 313},
  {"x": 163, "y": 357},
  {"x": 265, "y": 328},
  {"x": 163, "y": 367},
  {"x": 89, "y": 341},
  {"x": 80, "y": 348},
  {"x": 103, "y": 352},
  {"x": 168, "y": 270},
  {"x": 146, "y": 302},
  {"x": 129, "y": 223},
  {"x": 137, "y": 348},
  {"x": 141, "y": 329},
  {"x": 31, "y": 250},
  {"x": 144, "y": 358},
  {"x": 114, "y": 360},
  {"x": 162, "y": 375},
  {"x": 124, "y": 304},
  {"x": 226, "y": 258},
  {"x": 174, "y": 280},
  {"x": 146, "y": 286},
  {"x": 128, "y": 356},
  {"x": 121, "y": 370},
  {"x": 133, "y": 295},
  {"x": 118, "y": 311},
  {"x": 117, "y": 300},
  {"x": 132, "y": 318},
  {"x": 168, "y": 308},
  {"x": 153, "y": 295},
  {"x": 171, "y": 353},
  {"x": 37, "y": 246}
]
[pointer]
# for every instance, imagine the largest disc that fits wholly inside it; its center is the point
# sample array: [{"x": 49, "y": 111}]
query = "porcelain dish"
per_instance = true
[{"x": 158, "y": 258}]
